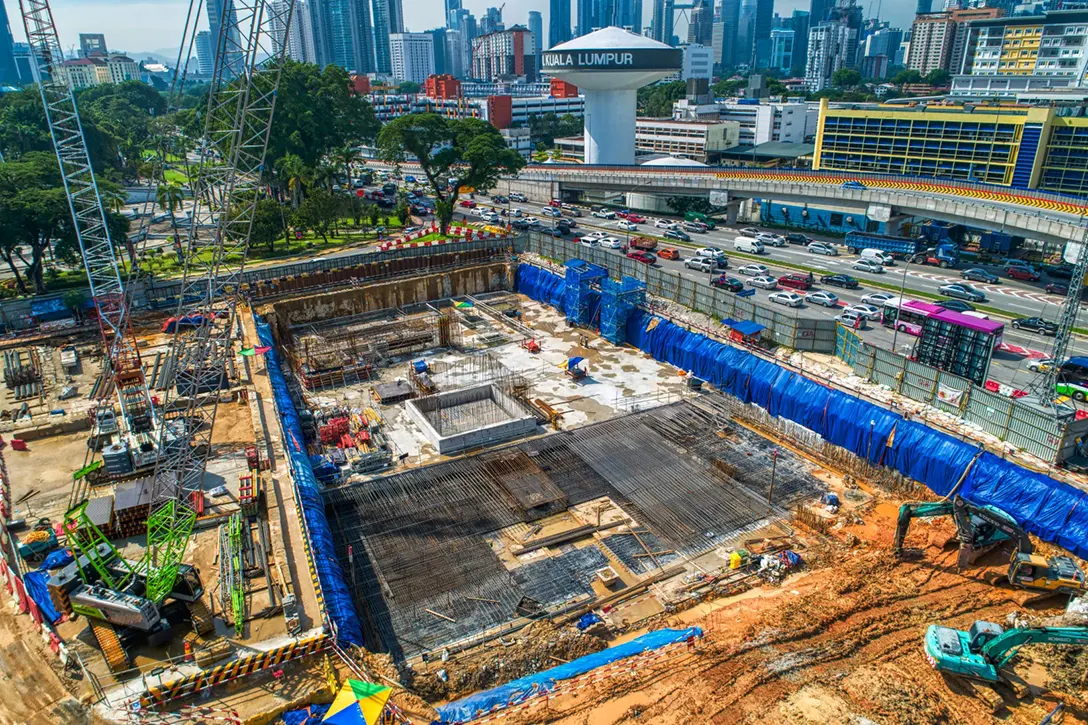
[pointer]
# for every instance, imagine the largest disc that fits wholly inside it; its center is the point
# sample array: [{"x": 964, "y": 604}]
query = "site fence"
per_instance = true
[
  {"x": 1023, "y": 426},
  {"x": 810, "y": 335}
]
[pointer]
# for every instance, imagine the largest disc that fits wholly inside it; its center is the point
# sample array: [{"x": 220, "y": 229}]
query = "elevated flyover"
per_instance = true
[{"x": 1032, "y": 214}]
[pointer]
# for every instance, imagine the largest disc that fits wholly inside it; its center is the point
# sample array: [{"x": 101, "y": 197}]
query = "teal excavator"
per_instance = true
[
  {"x": 980, "y": 528},
  {"x": 983, "y": 650}
]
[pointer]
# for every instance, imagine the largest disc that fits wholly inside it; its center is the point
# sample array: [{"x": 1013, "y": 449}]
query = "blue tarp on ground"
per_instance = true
[
  {"x": 338, "y": 602},
  {"x": 311, "y": 715},
  {"x": 518, "y": 690},
  {"x": 1051, "y": 510},
  {"x": 36, "y": 588}
]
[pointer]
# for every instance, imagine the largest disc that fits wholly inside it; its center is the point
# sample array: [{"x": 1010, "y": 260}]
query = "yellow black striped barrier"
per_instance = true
[{"x": 190, "y": 684}]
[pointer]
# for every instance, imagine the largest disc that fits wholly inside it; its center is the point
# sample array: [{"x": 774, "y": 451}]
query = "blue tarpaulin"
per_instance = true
[
  {"x": 56, "y": 559},
  {"x": 518, "y": 690},
  {"x": 40, "y": 307},
  {"x": 36, "y": 588},
  {"x": 747, "y": 327},
  {"x": 1051, "y": 510},
  {"x": 311, "y": 715},
  {"x": 338, "y": 602}
]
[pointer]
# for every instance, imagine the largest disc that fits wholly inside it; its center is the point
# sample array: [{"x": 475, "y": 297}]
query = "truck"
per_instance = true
[
  {"x": 646, "y": 244},
  {"x": 912, "y": 249},
  {"x": 698, "y": 216}
]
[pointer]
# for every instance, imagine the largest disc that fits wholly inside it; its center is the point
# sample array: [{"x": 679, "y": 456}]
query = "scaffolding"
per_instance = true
[
  {"x": 618, "y": 299},
  {"x": 582, "y": 301}
]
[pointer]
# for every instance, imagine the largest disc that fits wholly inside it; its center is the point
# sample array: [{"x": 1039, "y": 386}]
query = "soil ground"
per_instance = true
[{"x": 842, "y": 644}]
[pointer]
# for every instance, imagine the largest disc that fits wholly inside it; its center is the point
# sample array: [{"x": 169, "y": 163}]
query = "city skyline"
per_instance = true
[{"x": 146, "y": 26}]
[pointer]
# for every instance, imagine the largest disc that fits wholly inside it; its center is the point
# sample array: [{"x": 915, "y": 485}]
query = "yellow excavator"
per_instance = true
[{"x": 980, "y": 528}]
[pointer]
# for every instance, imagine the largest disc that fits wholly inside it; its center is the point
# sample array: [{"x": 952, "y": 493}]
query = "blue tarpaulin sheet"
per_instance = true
[
  {"x": 747, "y": 327},
  {"x": 48, "y": 307},
  {"x": 338, "y": 602},
  {"x": 311, "y": 715},
  {"x": 1051, "y": 510},
  {"x": 56, "y": 559},
  {"x": 518, "y": 690},
  {"x": 36, "y": 588}
]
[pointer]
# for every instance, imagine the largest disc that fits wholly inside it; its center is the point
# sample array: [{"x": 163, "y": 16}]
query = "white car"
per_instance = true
[
  {"x": 604, "y": 213},
  {"x": 771, "y": 240},
  {"x": 823, "y": 248},
  {"x": 877, "y": 298},
  {"x": 1040, "y": 365},
  {"x": 626, "y": 225},
  {"x": 664, "y": 224},
  {"x": 710, "y": 253},
  {"x": 827, "y": 299},
  {"x": 596, "y": 235},
  {"x": 789, "y": 299},
  {"x": 754, "y": 270},
  {"x": 869, "y": 312},
  {"x": 868, "y": 265},
  {"x": 611, "y": 242},
  {"x": 490, "y": 216},
  {"x": 588, "y": 242},
  {"x": 852, "y": 320},
  {"x": 532, "y": 221},
  {"x": 763, "y": 282}
]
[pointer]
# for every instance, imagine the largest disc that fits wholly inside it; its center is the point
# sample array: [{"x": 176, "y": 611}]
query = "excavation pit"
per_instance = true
[{"x": 470, "y": 417}]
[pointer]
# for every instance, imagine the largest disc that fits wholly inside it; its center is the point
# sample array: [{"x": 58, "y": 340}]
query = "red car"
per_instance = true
[
  {"x": 555, "y": 203},
  {"x": 796, "y": 281},
  {"x": 636, "y": 219},
  {"x": 1057, "y": 289},
  {"x": 642, "y": 257},
  {"x": 1024, "y": 273},
  {"x": 468, "y": 204}
]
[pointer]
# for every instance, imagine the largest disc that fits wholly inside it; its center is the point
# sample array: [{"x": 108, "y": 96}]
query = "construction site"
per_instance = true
[{"x": 467, "y": 483}]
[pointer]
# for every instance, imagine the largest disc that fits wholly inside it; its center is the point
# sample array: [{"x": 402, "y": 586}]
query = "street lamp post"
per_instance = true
[{"x": 902, "y": 290}]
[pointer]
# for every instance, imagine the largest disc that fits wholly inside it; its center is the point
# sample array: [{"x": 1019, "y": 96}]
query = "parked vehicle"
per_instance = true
[
  {"x": 1035, "y": 324},
  {"x": 913, "y": 249},
  {"x": 962, "y": 292},
  {"x": 677, "y": 235},
  {"x": 754, "y": 270},
  {"x": 839, "y": 280},
  {"x": 700, "y": 264},
  {"x": 868, "y": 265},
  {"x": 879, "y": 256},
  {"x": 822, "y": 297},
  {"x": 764, "y": 282},
  {"x": 668, "y": 253},
  {"x": 644, "y": 257},
  {"x": 748, "y": 244},
  {"x": 980, "y": 275},
  {"x": 822, "y": 248},
  {"x": 789, "y": 299},
  {"x": 727, "y": 283},
  {"x": 697, "y": 216},
  {"x": 795, "y": 281}
]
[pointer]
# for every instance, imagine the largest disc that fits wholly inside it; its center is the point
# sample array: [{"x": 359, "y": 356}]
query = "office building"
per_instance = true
[
  {"x": 388, "y": 19},
  {"x": 225, "y": 40},
  {"x": 818, "y": 11},
  {"x": 205, "y": 60},
  {"x": 558, "y": 22},
  {"x": 757, "y": 123},
  {"x": 302, "y": 32},
  {"x": 726, "y": 28},
  {"x": 9, "y": 69},
  {"x": 411, "y": 56},
  {"x": 828, "y": 50},
  {"x": 940, "y": 40},
  {"x": 782, "y": 50},
  {"x": 536, "y": 28},
  {"x": 92, "y": 44},
  {"x": 450, "y": 5},
  {"x": 504, "y": 54},
  {"x": 438, "y": 46},
  {"x": 98, "y": 70},
  {"x": 923, "y": 7},
  {"x": 878, "y": 52},
  {"x": 456, "y": 53},
  {"x": 23, "y": 63},
  {"x": 661, "y": 24},
  {"x": 761, "y": 33},
  {"x": 698, "y": 62},
  {"x": 848, "y": 13},
  {"x": 1015, "y": 146},
  {"x": 701, "y": 24},
  {"x": 1042, "y": 47},
  {"x": 799, "y": 23}
]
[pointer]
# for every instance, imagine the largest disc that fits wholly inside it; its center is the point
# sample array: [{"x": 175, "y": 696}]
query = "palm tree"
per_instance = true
[
  {"x": 169, "y": 197},
  {"x": 347, "y": 157},
  {"x": 293, "y": 171},
  {"x": 324, "y": 175}
]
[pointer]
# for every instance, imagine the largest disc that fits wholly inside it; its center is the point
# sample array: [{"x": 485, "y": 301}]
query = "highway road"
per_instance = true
[{"x": 1011, "y": 297}]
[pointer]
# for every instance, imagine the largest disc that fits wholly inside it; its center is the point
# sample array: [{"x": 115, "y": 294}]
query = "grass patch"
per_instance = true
[{"x": 173, "y": 175}]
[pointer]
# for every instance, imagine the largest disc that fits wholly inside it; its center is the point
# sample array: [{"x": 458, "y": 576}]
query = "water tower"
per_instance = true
[{"x": 609, "y": 66}]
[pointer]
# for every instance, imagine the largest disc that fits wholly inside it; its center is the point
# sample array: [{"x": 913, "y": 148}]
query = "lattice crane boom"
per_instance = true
[
  {"x": 228, "y": 183},
  {"x": 89, "y": 216},
  {"x": 1067, "y": 318}
]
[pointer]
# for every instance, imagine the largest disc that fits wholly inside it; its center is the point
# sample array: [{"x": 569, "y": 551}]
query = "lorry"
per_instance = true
[
  {"x": 698, "y": 216},
  {"x": 646, "y": 244},
  {"x": 912, "y": 249}
]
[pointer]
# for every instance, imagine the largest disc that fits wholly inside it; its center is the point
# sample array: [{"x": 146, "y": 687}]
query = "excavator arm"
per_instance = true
[
  {"x": 917, "y": 509},
  {"x": 980, "y": 526},
  {"x": 1003, "y": 648}
]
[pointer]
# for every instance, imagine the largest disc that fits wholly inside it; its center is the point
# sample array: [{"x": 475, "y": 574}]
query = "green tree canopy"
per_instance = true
[
  {"x": 937, "y": 77},
  {"x": 656, "y": 101},
  {"x": 906, "y": 76},
  {"x": 846, "y": 78},
  {"x": 409, "y": 87},
  {"x": 469, "y": 151},
  {"x": 23, "y": 130}
]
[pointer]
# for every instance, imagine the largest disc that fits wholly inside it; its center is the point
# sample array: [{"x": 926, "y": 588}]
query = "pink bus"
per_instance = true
[{"x": 909, "y": 315}]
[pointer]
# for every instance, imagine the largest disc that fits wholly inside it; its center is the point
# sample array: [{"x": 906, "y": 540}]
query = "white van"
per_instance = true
[
  {"x": 747, "y": 244},
  {"x": 878, "y": 256}
]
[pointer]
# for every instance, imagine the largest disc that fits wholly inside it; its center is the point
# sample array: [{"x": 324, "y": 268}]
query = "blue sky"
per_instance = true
[{"x": 145, "y": 25}]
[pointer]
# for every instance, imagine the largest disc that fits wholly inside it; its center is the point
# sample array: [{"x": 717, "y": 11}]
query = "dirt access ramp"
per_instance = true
[{"x": 842, "y": 644}]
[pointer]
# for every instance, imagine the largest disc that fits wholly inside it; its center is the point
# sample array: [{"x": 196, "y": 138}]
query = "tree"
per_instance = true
[
  {"x": 846, "y": 78},
  {"x": 656, "y": 101},
  {"x": 346, "y": 156},
  {"x": 408, "y": 87},
  {"x": 319, "y": 212},
  {"x": 73, "y": 299},
  {"x": 906, "y": 76},
  {"x": 268, "y": 224},
  {"x": 373, "y": 214},
  {"x": 937, "y": 77},
  {"x": 323, "y": 175},
  {"x": 404, "y": 214},
  {"x": 293, "y": 173},
  {"x": 726, "y": 88},
  {"x": 467, "y": 152},
  {"x": 23, "y": 130}
]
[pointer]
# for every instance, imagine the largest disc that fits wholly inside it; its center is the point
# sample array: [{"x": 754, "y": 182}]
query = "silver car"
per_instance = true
[
  {"x": 763, "y": 282},
  {"x": 822, "y": 248},
  {"x": 827, "y": 299},
  {"x": 754, "y": 270},
  {"x": 790, "y": 299}
]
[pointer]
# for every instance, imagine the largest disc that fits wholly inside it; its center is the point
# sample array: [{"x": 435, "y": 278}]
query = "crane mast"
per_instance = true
[
  {"x": 226, "y": 188},
  {"x": 89, "y": 217},
  {"x": 1067, "y": 319}
]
